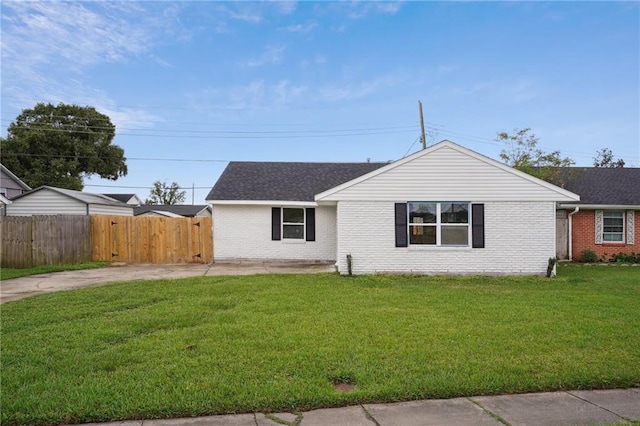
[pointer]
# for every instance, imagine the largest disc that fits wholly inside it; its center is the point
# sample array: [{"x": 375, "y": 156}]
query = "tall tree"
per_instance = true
[
  {"x": 604, "y": 158},
  {"x": 522, "y": 153},
  {"x": 61, "y": 145},
  {"x": 164, "y": 194}
]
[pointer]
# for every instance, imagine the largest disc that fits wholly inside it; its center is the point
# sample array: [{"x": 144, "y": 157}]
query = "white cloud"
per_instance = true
[
  {"x": 246, "y": 17},
  {"x": 361, "y": 9},
  {"x": 271, "y": 55},
  {"x": 344, "y": 92},
  {"x": 48, "y": 46},
  {"x": 300, "y": 28},
  {"x": 286, "y": 7}
]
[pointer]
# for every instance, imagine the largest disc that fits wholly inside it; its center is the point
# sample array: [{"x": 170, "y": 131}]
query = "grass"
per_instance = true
[
  {"x": 10, "y": 273},
  {"x": 270, "y": 343}
]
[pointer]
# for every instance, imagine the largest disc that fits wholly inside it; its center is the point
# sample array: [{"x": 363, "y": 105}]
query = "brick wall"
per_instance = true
[
  {"x": 243, "y": 232},
  {"x": 584, "y": 236},
  {"x": 519, "y": 239}
]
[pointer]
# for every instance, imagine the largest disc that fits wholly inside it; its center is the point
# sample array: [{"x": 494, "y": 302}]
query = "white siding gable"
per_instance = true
[
  {"x": 110, "y": 210},
  {"x": 45, "y": 202},
  {"x": 447, "y": 172}
]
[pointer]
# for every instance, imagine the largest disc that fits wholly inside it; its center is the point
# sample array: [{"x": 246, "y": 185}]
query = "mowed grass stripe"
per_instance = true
[{"x": 210, "y": 345}]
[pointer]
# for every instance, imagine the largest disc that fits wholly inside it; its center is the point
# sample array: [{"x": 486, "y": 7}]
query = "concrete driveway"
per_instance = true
[{"x": 19, "y": 288}]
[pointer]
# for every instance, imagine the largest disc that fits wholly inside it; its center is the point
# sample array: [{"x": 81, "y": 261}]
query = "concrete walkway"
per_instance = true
[
  {"x": 19, "y": 288},
  {"x": 599, "y": 407}
]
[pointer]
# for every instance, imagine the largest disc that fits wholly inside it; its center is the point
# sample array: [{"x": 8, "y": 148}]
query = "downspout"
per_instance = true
[{"x": 576, "y": 210}]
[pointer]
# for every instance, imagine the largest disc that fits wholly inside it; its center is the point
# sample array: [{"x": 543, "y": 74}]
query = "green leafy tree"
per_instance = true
[
  {"x": 522, "y": 153},
  {"x": 163, "y": 194},
  {"x": 604, "y": 158},
  {"x": 61, "y": 145}
]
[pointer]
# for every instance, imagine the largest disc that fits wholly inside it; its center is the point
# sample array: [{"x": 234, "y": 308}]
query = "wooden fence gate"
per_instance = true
[{"x": 140, "y": 239}]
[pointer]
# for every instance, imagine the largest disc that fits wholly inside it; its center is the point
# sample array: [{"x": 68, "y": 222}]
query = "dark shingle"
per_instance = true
[
  {"x": 123, "y": 198},
  {"x": 607, "y": 186},
  {"x": 186, "y": 210},
  {"x": 284, "y": 181}
]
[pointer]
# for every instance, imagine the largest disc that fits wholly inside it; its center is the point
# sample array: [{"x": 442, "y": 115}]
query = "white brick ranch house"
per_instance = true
[{"x": 442, "y": 210}]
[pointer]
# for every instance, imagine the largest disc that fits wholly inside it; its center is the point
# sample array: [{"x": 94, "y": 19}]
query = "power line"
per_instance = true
[
  {"x": 146, "y": 187},
  {"x": 44, "y": 126},
  {"x": 297, "y": 135},
  {"x": 19, "y": 154}
]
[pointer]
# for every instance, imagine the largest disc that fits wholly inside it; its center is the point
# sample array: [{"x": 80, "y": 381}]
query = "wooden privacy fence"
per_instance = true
[
  {"x": 44, "y": 240},
  {"x": 151, "y": 239}
]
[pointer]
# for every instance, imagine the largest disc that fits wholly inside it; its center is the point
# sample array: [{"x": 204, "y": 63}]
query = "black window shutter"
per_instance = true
[
  {"x": 275, "y": 223},
  {"x": 477, "y": 225},
  {"x": 401, "y": 225},
  {"x": 311, "y": 224}
]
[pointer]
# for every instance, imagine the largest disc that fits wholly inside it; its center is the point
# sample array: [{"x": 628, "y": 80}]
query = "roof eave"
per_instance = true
[
  {"x": 262, "y": 203},
  {"x": 600, "y": 206},
  {"x": 15, "y": 178}
]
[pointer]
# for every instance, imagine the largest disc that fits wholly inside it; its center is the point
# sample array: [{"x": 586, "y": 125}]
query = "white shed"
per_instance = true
[{"x": 48, "y": 200}]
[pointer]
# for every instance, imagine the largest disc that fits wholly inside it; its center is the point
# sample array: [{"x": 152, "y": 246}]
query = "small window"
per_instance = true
[
  {"x": 293, "y": 223},
  {"x": 438, "y": 224},
  {"x": 3, "y": 191},
  {"x": 613, "y": 227}
]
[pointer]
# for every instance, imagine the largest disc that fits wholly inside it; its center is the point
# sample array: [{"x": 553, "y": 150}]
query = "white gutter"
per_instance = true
[
  {"x": 600, "y": 206},
  {"x": 263, "y": 203},
  {"x": 576, "y": 210}
]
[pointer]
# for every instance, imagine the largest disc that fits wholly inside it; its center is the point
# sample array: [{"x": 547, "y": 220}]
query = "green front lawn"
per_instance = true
[
  {"x": 10, "y": 273},
  {"x": 225, "y": 344}
]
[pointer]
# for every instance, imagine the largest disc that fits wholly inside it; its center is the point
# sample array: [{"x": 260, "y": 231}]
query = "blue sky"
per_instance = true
[{"x": 209, "y": 82}]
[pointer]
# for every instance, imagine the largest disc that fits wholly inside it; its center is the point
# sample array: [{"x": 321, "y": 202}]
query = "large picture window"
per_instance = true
[
  {"x": 439, "y": 224},
  {"x": 613, "y": 227}
]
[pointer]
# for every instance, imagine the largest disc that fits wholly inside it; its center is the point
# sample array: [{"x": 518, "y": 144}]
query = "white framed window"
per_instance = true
[
  {"x": 439, "y": 224},
  {"x": 3, "y": 191},
  {"x": 612, "y": 227},
  {"x": 293, "y": 224}
]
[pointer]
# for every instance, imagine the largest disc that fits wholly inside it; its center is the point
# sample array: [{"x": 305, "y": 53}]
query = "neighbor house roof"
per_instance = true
[
  {"x": 4, "y": 200},
  {"x": 83, "y": 197},
  {"x": 186, "y": 210},
  {"x": 125, "y": 198},
  {"x": 15, "y": 178},
  {"x": 281, "y": 181},
  {"x": 605, "y": 186}
]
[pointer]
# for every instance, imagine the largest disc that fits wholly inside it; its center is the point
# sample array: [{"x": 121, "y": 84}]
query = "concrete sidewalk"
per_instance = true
[
  {"x": 598, "y": 407},
  {"x": 19, "y": 288}
]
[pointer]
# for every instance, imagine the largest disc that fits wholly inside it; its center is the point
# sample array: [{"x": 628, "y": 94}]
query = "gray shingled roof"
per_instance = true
[
  {"x": 606, "y": 186},
  {"x": 279, "y": 181},
  {"x": 123, "y": 198},
  {"x": 186, "y": 210}
]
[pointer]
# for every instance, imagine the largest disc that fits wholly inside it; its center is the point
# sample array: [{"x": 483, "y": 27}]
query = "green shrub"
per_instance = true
[
  {"x": 626, "y": 257},
  {"x": 588, "y": 256}
]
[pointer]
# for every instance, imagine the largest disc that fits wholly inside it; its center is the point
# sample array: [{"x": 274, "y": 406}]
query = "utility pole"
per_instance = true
[
  {"x": 193, "y": 193},
  {"x": 423, "y": 137}
]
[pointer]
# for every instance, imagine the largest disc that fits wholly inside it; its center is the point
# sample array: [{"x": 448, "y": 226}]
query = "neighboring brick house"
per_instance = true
[
  {"x": 442, "y": 210},
  {"x": 606, "y": 220}
]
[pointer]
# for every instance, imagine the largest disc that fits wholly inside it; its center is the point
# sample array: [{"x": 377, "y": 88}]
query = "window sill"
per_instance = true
[
  {"x": 438, "y": 248},
  {"x": 292, "y": 241}
]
